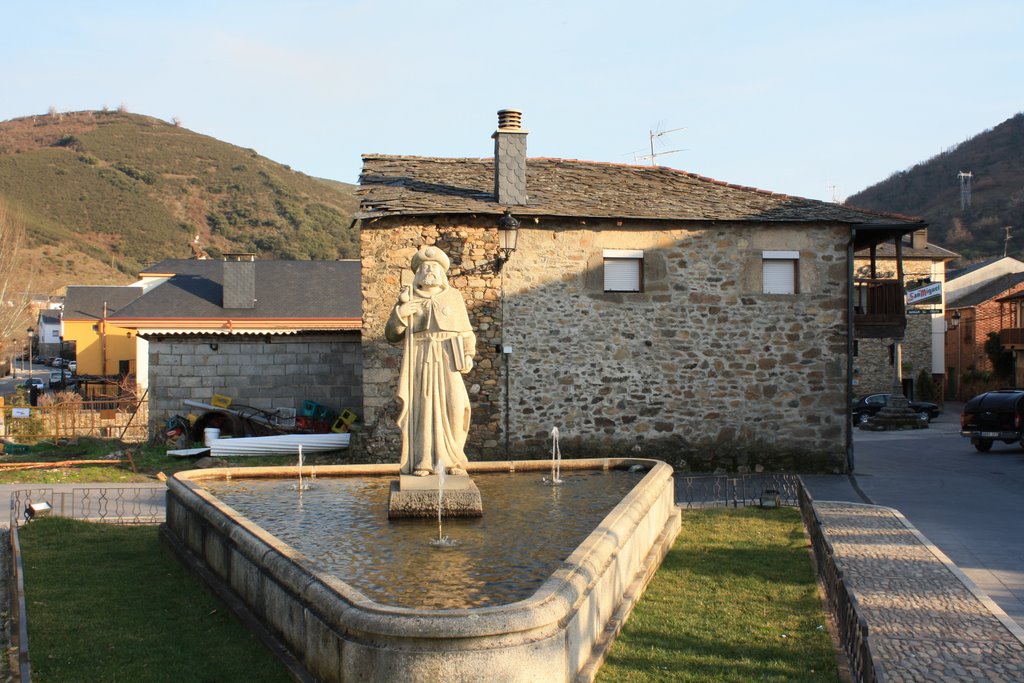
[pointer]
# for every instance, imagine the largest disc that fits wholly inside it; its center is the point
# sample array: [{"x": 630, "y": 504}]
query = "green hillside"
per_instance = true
[
  {"x": 931, "y": 190},
  {"x": 102, "y": 194}
]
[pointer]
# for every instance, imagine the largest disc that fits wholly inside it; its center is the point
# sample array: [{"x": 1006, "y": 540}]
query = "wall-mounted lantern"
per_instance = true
[
  {"x": 954, "y": 322},
  {"x": 508, "y": 236}
]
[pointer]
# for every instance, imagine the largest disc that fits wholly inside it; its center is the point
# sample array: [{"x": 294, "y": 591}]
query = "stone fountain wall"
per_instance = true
[
  {"x": 561, "y": 633},
  {"x": 700, "y": 369}
]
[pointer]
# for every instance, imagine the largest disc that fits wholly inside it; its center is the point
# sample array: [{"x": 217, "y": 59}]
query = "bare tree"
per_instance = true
[{"x": 13, "y": 287}]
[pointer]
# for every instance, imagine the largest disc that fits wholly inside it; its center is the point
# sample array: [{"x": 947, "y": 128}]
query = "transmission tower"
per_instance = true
[{"x": 965, "y": 189}]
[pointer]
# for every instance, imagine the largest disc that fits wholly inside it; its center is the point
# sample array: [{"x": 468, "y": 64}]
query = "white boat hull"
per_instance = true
[{"x": 281, "y": 444}]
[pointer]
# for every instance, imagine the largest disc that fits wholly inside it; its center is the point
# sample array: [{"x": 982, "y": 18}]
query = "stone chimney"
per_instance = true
[
  {"x": 510, "y": 159},
  {"x": 239, "y": 288},
  {"x": 920, "y": 239}
]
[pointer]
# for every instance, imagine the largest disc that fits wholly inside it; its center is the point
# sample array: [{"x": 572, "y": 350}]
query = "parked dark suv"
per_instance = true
[{"x": 994, "y": 416}]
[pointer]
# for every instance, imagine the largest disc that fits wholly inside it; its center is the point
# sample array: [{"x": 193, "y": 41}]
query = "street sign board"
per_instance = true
[{"x": 929, "y": 294}]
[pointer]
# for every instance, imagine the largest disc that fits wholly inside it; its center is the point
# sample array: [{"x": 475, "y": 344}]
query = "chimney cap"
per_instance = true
[{"x": 510, "y": 120}]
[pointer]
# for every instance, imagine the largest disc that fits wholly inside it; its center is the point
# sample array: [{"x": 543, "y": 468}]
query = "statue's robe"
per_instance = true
[{"x": 435, "y": 413}]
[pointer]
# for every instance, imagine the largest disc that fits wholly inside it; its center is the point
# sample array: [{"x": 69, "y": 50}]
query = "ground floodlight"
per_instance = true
[{"x": 40, "y": 509}]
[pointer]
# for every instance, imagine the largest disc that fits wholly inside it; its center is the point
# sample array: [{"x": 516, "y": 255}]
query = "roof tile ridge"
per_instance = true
[
  {"x": 415, "y": 157},
  {"x": 676, "y": 171},
  {"x": 887, "y": 214}
]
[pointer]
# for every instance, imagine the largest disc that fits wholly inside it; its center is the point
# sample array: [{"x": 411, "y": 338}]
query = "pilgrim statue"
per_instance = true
[{"x": 430, "y": 318}]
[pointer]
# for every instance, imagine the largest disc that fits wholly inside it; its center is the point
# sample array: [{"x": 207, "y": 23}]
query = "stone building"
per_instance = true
[
  {"x": 923, "y": 338},
  {"x": 267, "y": 334},
  {"x": 643, "y": 310}
]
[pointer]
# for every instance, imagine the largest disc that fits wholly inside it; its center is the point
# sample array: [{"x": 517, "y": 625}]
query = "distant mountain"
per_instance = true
[
  {"x": 104, "y": 193},
  {"x": 931, "y": 190}
]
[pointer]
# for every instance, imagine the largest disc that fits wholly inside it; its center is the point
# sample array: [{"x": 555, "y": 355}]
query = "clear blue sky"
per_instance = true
[{"x": 816, "y": 98}]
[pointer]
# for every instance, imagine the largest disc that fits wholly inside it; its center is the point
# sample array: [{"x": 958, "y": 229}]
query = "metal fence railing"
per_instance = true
[
  {"x": 852, "y": 627},
  {"x": 113, "y": 505},
  {"x": 715, "y": 490}
]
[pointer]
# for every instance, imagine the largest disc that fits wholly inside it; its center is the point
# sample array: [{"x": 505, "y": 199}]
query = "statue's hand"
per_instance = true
[
  {"x": 407, "y": 309},
  {"x": 467, "y": 364}
]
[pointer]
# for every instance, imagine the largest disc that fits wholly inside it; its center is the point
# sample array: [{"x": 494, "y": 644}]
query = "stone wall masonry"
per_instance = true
[
  {"x": 265, "y": 373},
  {"x": 701, "y": 368}
]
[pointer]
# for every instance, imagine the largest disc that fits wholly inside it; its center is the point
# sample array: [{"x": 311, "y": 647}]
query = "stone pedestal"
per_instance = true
[{"x": 413, "y": 496}]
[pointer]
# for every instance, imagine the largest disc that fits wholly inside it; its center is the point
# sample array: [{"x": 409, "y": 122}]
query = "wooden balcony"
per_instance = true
[
  {"x": 1012, "y": 338},
  {"x": 881, "y": 312}
]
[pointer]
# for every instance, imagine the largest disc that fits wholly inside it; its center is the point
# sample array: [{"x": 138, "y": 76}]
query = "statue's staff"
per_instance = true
[{"x": 409, "y": 362}]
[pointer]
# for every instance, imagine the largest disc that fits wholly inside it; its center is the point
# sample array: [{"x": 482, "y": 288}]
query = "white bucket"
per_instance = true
[{"x": 210, "y": 434}]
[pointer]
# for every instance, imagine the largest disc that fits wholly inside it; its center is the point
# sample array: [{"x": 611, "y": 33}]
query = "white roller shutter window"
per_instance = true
[
  {"x": 779, "y": 276},
  {"x": 622, "y": 274}
]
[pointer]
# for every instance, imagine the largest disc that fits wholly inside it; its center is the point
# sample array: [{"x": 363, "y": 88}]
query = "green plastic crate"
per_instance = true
[{"x": 16, "y": 448}]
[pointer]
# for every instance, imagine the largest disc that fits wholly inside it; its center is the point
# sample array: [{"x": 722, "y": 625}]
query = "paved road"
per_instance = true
[
  {"x": 967, "y": 503},
  {"x": 7, "y": 384}
]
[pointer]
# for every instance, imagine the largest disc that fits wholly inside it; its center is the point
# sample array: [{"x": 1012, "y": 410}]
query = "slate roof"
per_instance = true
[
  {"x": 966, "y": 270},
  {"x": 986, "y": 292},
  {"x": 405, "y": 185},
  {"x": 85, "y": 302},
  {"x": 285, "y": 290},
  {"x": 931, "y": 251}
]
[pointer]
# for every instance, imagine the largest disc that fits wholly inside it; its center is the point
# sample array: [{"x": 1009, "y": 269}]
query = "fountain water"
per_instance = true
[
  {"x": 556, "y": 460},
  {"x": 301, "y": 486},
  {"x": 441, "y": 541}
]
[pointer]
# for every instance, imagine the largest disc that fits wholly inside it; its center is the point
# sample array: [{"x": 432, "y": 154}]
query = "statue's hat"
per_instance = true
[{"x": 430, "y": 254}]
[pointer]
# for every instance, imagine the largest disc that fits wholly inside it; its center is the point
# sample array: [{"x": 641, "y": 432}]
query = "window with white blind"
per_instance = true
[
  {"x": 623, "y": 270},
  {"x": 780, "y": 271}
]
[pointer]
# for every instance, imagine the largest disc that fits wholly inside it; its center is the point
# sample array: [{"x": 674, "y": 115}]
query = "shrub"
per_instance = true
[{"x": 925, "y": 386}]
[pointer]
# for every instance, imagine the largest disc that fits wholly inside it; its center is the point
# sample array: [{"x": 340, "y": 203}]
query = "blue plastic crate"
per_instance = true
[{"x": 311, "y": 409}]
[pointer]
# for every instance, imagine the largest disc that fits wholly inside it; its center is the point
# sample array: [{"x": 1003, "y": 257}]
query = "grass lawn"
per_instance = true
[
  {"x": 735, "y": 600},
  {"x": 109, "y": 603}
]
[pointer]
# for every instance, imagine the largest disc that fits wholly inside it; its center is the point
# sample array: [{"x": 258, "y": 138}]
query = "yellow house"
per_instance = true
[{"x": 101, "y": 348}]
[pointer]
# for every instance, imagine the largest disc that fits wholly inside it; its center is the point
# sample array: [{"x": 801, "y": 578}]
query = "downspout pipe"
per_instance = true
[{"x": 850, "y": 288}]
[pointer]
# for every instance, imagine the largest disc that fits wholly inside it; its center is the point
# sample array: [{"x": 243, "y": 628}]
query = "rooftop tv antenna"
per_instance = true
[
  {"x": 1006, "y": 240},
  {"x": 965, "y": 188},
  {"x": 653, "y": 156}
]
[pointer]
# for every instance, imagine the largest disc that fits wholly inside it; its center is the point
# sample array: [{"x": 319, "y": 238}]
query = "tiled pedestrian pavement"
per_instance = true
[{"x": 926, "y": 620}]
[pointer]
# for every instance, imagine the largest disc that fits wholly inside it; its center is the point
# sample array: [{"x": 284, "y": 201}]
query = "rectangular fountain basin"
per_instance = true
[{"x": 560, "y": 633}]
